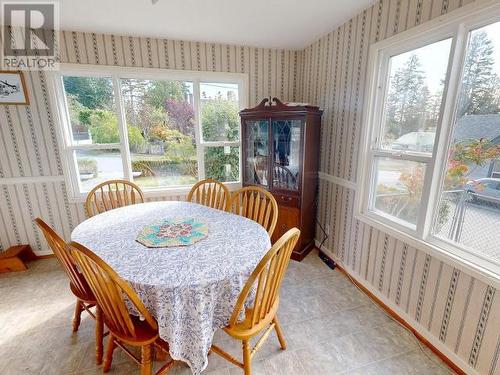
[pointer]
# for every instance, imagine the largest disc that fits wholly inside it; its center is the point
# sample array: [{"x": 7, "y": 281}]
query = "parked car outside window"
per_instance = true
[{"x": 484, "y": 189}]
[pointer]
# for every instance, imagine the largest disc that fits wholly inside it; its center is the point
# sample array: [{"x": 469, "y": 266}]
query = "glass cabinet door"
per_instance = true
[
  {"x": 257, "y": 152},
  {"x": 286, "y": 150}
]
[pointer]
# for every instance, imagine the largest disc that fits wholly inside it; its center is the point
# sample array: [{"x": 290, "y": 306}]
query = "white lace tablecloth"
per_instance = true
[{"x": 191, "y": 290}]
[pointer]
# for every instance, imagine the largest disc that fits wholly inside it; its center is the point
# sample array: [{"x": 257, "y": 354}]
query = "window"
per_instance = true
[
  {"x": 220, "y": 124},
  {"x": 432, "y": 139},
  {"x": 403, "y": 147},
  {"x": 163, "y": 130}
]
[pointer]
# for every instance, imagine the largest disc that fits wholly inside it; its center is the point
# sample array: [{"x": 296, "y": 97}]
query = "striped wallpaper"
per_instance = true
[
  {"x": 28, "y": 143},
  {"x": 458, "y": 313}
]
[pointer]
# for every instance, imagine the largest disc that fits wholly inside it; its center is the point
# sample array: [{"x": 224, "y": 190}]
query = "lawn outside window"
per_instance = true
[
  {"x": 162, "y": 129},
  {"x": 430, "y": 169}
]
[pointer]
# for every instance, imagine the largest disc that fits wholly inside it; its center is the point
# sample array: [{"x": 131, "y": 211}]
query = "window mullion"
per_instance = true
[
  {"x": 122, "y": 129},
  {"x": 370, "y": 193},
  {"x": 200, "y": 150},
  {"x": 382, "y": 83},
  {"x": 73, "y": 168},
  {"x": 66, "y": 133},
  {"x": 438, "y": 168},
  {"x": 423, "y": 217},
  {"x": 393, "y": 154}
]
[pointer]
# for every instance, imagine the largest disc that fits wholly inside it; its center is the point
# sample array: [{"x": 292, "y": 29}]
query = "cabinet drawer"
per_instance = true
[{"x": 286, "y": 200}]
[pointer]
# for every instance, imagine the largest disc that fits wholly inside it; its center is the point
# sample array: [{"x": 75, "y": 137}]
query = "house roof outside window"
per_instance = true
[{"x": 477, "y": 127}]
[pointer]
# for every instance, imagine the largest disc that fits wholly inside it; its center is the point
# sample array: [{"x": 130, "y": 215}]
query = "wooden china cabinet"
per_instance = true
[{"x": 281, "y": 153}]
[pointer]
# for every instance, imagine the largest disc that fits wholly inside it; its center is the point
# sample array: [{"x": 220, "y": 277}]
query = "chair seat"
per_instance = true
[
  {"x": 144, "y": 333},
  {"x": 85, "y": 297}
]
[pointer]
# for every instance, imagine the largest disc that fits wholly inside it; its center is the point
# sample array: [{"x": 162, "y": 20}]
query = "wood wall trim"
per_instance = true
[{"x": 397, "y": 317}]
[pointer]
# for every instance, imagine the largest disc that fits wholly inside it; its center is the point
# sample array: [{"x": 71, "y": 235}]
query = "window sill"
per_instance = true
[
  {"x": 161, "y": 192},
  {"x": 472, "y": 265}
]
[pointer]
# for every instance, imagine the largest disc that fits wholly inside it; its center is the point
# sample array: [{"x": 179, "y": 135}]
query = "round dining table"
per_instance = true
[{"x": 190, "y": 290}]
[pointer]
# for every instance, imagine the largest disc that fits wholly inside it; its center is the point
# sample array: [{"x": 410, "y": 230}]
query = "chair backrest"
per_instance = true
[
  {"x": 210, "y": 193},
  {"x": 260, "y": 169},
  {"x": 284, "y": 178},
  {"x": 256, "y": 204},
  {"x": 112, "y": 194},
  {"x": 110, "y": 291},
  {"x": 266, "y": 279},
  {"x": 58, "y": 246}
]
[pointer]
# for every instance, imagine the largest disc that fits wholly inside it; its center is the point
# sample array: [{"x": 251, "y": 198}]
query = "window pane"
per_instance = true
[
  {"x": 257, "y": 151},
  {"x": 222, "y": 163},
  {"x": 96, "y": 166},
  {"x": 160, "y": 123},
  {"x": 286, "y": 147},
  {"x": 398, "y": 190},
  {"x": 219, "y": 112},
  {"x": 469, "y": 209},
  {"x": 92, "y": 111},
  {"x": 414, "y": 96}
]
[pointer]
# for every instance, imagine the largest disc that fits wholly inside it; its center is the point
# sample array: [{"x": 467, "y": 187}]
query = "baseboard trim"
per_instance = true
[
  {"x": 45, "y": 256},
  {"x": 299, "y": 256},
  {"x": 438, "y": 348}
]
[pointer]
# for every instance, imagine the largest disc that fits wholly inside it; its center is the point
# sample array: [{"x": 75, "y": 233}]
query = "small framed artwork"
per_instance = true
[{"x": 13, "y": 88}]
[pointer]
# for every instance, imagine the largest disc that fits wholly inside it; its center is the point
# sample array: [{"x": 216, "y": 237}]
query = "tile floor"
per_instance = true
[{"x": 331, "y": 328}]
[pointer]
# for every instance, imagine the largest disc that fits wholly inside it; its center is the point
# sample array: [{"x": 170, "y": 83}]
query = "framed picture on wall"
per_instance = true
[{"x": 13, "y": 88}]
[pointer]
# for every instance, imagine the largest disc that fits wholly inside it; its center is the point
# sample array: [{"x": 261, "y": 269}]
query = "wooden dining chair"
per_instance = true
[
  {"x": 256, "y": 204},
  {"x": 283, "y": 178},
  {"x": 211, "y": 193},
  {"x": 265, "y": 281},
  {"x": 112, "y": 194},
  {"x": 85, "y": 299},
  {"x": 111, "y": 292}
]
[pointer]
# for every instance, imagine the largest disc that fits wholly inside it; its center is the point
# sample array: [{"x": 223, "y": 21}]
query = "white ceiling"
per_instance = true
[{"x": 291, "y": 24}]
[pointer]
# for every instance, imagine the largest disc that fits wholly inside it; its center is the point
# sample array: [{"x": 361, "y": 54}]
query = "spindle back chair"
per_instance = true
[
  {"x": 111, "y": 292},
  {"x": 85, "y": 299},
  {"x": 284, "y": 178},
  {"x": 256, "y": 204},
  {"x": 112, "y": 194},
  {"x": 261, "y": 293},
  {"x": 211, "y": 193}
]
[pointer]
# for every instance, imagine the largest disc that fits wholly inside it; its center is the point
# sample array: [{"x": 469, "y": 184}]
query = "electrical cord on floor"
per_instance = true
[
  {"x": 419, "y": 343},
  {"x": 325, "y": 234}
]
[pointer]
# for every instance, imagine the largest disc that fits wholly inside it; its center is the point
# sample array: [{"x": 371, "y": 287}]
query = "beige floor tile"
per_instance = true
[
  {"x": 330, "y": 327},
  {"x": 413, "y": 363}
]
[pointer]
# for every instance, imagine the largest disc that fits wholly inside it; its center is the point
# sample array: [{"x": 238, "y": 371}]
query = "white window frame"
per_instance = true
[
  {"x": 456, "y": 25},
  {"x": 67, "y": 146}
]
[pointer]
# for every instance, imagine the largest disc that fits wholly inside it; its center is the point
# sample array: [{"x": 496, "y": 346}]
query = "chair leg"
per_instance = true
[
  {"x": 146, "y": 365},
  {"x": 279, "y": 333},
  {"x": 109, "y": 353},
  {"x": 247, "y": 364},
  {"x": 99, "y": 329},
  {"x": 77, "y": 316}
]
